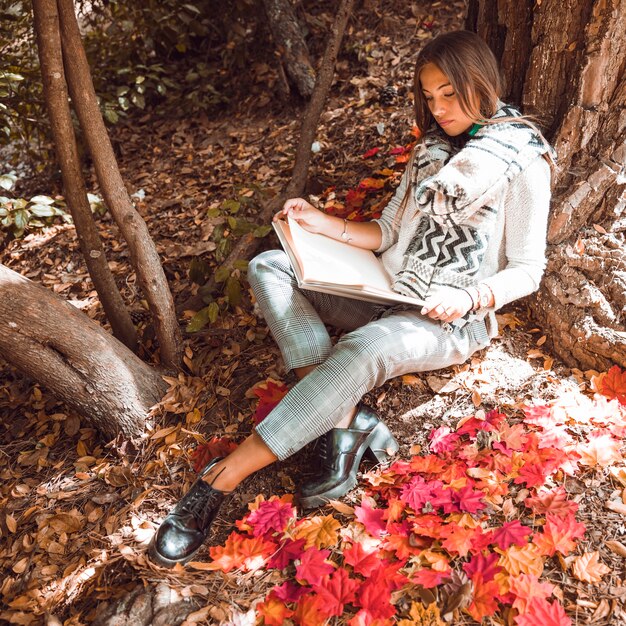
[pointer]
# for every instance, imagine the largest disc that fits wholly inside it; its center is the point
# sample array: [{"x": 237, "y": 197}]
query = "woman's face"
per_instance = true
[{"x": 443, "y": 102}]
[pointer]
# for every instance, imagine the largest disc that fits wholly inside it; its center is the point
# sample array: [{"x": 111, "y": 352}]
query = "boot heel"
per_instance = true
[{"x": 382, "y": 445}]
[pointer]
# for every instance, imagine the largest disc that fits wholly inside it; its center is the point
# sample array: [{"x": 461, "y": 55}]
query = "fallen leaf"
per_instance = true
[{"x": 588, "y": 568}]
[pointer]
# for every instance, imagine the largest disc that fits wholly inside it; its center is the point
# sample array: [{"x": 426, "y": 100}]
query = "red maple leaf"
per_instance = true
[
  {"x": 206, "y": 452},
  {"x": 271, "y": 516},
  {"x": 469, "y": 499},
  {"x": 552, "y": 501},
  {"x": 611, "y": 384},
  {"x": 313, "y": 566},
  {"x": 355, "y": 199},
  {"x": 539, "y": 415},
  {"x": 370, "y": 153},
  {"x": 444, "y": 499},
  {"x": 484, "y": 602},
  {"x": 559, "y": 535},
  {"x": 371, "y": 518},
  {"x": 362, "y": 562},
  {"x": 417, "y": 492},
  {"x": 269, "y": 393},
  {"x": 442, "y": 439},
  {"x": 487, "y": 566},
  {"x": 374, "y": 597},
  {"x": 540, "y": 612},
  {"x": 429, "y": 578},
  {"x": 336, "y": 590},
  {"x": 287, "y": 553},
  {"x": 510, "y": 533},
  {"x": 532, "y": 475},
  {"x": 471, "y": 425},
  {"x": 289, "y": 591}
]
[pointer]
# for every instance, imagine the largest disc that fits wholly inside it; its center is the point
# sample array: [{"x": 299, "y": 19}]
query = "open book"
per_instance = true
[{"x": 324, "y": 264}]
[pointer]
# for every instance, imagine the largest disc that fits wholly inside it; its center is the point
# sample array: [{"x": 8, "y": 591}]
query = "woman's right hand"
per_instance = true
[{"x": 310, "y": 218}]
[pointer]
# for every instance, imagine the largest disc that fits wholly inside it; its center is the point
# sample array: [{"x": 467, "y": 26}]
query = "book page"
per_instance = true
[{"x": 325, "y": 260}]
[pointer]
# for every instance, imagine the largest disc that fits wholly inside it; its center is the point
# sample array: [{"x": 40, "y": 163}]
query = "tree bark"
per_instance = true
[
  {"x": 572, "y": 69},
  {"x": 52, "y": 342},
  {"x": 287, "y": 35},
  {"x": 248, "y": 244},
  {"x": 144, "y": 256},
  {"x": 56, "y": 97}
]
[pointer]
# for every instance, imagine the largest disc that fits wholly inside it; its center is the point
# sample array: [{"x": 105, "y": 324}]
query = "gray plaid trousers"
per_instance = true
[{"x": 381, "y": 343}]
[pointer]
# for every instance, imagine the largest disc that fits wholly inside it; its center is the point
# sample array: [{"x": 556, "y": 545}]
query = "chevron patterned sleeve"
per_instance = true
[{"x": 526, "y": 207}]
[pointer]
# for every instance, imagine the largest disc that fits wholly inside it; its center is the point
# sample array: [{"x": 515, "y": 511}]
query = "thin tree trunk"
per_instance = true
[
  {"x": 248, "y": 244},
  {"x": 571, "y": 60},
  {"x": 144, "y": 256},
  {"x": 52, "y": 342},
  {"x": 55, "y": 93},
  {"x": 287, "y": 35}
]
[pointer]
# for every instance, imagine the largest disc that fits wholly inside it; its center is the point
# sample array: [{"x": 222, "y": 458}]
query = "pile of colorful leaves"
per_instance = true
[{"x": 467, "y": 529}]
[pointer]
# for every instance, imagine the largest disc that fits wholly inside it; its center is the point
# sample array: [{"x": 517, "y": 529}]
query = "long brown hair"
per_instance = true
[{"x": 472, "y": 70}]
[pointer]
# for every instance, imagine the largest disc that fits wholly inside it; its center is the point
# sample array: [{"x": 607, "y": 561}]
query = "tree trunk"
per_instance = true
[
  {"x": 52, "y": 342},
  {"x": 567, "y": 60},
  {"x": 143, "y": 253},
  {"x": 293, "y": 50},
  {"x": 55, "y": 93}
]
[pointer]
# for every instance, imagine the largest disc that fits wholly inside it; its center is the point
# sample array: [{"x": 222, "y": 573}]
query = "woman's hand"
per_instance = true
[
  {"x": 310, "y": 218},
  {"x": 447, "y": 305}
]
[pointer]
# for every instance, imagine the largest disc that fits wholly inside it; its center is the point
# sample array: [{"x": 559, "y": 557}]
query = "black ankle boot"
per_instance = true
[
  {"x": 341, "y": 451},
  {"x": 183, "y": 531}
]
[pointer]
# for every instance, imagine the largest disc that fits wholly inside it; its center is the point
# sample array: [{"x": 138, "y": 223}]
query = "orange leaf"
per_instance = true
[
  {"x": 589, "y": 568},
  {"x": 525, "y": 560},
  {"x": 246, "y": 553},
  {"x": 611, "y": 384},
  {"x": 601, "y": 449},
  {"x": 484, "y": 603},
  {"x": 318, "y": 531},
  {"x": 559, "y": 535},
  {"x": 372, "y": 183},
  {"x": 273, "y": 611}
]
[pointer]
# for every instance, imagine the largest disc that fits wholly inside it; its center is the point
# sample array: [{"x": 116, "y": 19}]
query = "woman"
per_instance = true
[{"x": 465, "y": 232}]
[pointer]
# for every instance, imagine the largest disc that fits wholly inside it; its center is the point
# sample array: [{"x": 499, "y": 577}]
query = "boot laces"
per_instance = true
[{"x": 201, "y": 504}]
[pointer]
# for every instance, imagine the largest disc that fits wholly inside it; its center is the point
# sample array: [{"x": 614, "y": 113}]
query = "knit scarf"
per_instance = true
[{"x": 456, "y": 195}]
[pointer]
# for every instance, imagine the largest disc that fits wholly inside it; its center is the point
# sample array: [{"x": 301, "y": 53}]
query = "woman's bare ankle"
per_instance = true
[{"x": 221, "y": 478}]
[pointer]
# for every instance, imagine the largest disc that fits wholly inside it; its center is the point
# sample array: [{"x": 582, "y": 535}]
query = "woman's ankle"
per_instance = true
[{"x": 221, "y": 478}]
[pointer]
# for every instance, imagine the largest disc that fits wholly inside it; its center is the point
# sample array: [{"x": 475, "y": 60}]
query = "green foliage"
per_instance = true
[
  {"x": 18, "y": 214},
  {"x": 22, "y": 112},
  {"x": 156, "y": 55}
]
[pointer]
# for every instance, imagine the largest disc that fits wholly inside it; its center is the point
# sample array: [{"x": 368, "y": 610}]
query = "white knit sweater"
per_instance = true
[{"x": 514, "y": 261}]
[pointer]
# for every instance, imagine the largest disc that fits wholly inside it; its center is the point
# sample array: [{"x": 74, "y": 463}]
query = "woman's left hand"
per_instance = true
[{"x": 447, "y": 305}]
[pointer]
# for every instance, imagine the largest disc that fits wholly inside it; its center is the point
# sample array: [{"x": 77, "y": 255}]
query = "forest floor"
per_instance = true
[{"x": 78, "y": 512}]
